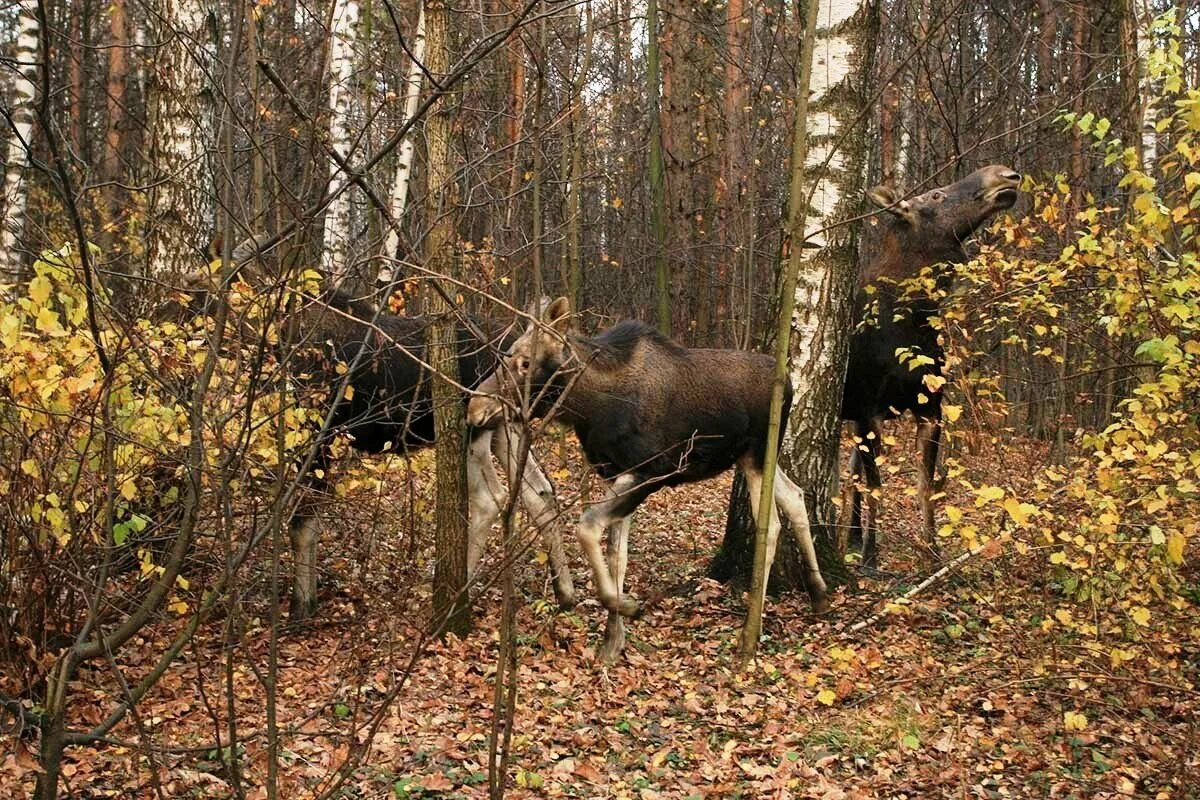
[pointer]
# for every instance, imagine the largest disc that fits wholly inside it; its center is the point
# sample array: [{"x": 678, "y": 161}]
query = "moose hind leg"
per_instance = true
[
  {"x": 791, "y": 500},
  {"x": 618, "y": 558},
  {"x": 754, "y": 481},
  {"x": 305, "y": 532},
  {"x": 537, "y": 493}
]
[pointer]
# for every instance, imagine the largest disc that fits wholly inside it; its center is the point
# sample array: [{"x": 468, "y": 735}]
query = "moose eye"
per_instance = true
[
  {"x": 938, "y": 196},
  {"x": 522, "y": 364}
]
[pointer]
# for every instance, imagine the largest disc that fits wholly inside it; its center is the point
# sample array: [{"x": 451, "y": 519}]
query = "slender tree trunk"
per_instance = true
[
  {"x": 181, "y": 223},
  {"x": 797, "y": 212},
  {"x": 335, "y": 255},
  {"x": 822, "y": 302},
  {"x": 1079, "y": 69},
  {"x": 1143, "y": 18},
  {"x": 118, "y": 76},
  {"x": 575, "y": 175},
  {"x": 412, "y": 94},
  {"x": 450, "y": 601},
  {"x": 658, "y": 204},
  {"x": 20, "y": 141}
]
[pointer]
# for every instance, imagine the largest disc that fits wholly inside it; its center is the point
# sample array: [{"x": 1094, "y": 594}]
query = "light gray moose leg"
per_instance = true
[
  {"x": 537, "y": 493},
  {"x": 592, "y": 525},
  {"x": 618, "y": 559},
  {"x": 304, "y": 534},
  {"x": 791, "y": 500},
  {"x": 483, "y": 489},
  {"x": 754, "y": 480}
]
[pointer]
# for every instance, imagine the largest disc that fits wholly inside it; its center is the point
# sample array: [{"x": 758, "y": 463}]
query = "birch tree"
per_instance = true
[
  {"x": 404, "y": 160},
  {"x": 16, "y": 194},
  {"x": 182, "y": 203},
  {"x": 822, "y": 304},
  {"x": 343, "y": 26},
  {"x": 824, "y": 192}
]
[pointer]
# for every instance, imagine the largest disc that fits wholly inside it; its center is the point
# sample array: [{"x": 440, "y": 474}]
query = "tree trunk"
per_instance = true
[
  {"x": 658, "y": 203},
  {"x": 450, "y": 602},
  {"x": 114, "y": 98},
  {"x": 822, "y": 303},
  {"x": 16, "y": 188},
  {"x": 181, "y": 222},
  {"x": 575, "y": 179},
  {"x": 335, "y": 255},
  {"x": 399, "y": 201}
]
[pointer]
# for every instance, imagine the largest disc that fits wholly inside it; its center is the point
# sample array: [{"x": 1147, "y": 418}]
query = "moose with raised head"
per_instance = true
[
  {"x": 390, "y": 408},
  {"x": 648, "y": 414},
  {"x": 924, "y": 231}
]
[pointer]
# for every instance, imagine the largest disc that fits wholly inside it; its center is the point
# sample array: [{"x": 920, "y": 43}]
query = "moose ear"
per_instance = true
[
  {"x": 888, "y": 199},
  {"x": 558, "y": 315}
]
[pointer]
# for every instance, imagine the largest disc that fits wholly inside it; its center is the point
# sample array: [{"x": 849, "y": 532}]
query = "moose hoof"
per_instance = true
[
  {"x": 820, "y": 605},
  {"x": 629, "y": 607},
  {"x": 566, "y": 600},
  {"x": 611, "y": 650}
]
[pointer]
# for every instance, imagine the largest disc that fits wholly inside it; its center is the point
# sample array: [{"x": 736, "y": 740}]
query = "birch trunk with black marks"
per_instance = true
[
  {"x": 343, "y": 39},
  {"x": 16, "y": 191},
  {"x": 450, "y": 602},
  {"x": 833, "y": 180},
  {"x": 181, "y": 221},
  {"x": 404, "y": 160}
]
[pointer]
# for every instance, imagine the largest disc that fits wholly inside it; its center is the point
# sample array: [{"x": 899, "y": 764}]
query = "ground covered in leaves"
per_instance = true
[{"x": 968, "y": 691}]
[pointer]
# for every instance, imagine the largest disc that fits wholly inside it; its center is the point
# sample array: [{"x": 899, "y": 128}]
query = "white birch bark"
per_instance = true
[
  {"x": 831, "y": 66},
  {"x": 16, "y": 194},
  {"x": 399, "y": 196},
  {"x": 824, "y": 290},
  {"x": 335, "y": 258},
  {"x": 182, "y": 206},
  {"x": 1143, "y": 19}
]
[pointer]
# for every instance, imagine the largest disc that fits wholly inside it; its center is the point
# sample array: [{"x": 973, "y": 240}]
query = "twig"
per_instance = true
[{"x": 923, "y": 585}]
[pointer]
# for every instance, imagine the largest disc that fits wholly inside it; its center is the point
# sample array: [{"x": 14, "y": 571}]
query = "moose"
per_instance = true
[
  {"x": 648, "y": 413},
  {"x": 390, "y": 408},
  {"x": 895, "y": 362}
]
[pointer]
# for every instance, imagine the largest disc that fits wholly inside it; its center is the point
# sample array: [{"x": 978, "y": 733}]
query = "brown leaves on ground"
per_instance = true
[{"x": 961, "y": 693}]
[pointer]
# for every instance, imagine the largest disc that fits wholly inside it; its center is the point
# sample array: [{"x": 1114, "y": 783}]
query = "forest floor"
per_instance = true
[{"x": 965, "y": 694}]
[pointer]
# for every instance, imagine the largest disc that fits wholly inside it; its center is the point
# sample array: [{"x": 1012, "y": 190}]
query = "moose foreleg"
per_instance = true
[
  {"x": 537, "y": 493},
  {"x": 929, "y": 438},
  {"x": 592, "y": 525}
]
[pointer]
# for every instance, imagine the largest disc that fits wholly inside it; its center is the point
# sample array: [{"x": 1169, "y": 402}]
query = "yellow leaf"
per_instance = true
[
  {"x": 348, "y": 392},
  {"x": 1020, "y": 512},
  {"x": 617, "y": 202},
  {"x": 1140, "y": 615},
  {"x": 987, "y": 494},
  {"x": 1175, "y": 546},
  {"x": 30, "y": 468},
  {"x": 47, "y": 322},
  {"x": 951, "y": 413},
  {"x": 129, "y": 489},
  {"x": 826, "y": 697},
  {"x": 1074, "y": 721},
  {"x": 1058, "y": 558}
]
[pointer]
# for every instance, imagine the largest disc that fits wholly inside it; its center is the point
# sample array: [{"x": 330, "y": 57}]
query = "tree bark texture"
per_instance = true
[{"x": 20, "y": 140}]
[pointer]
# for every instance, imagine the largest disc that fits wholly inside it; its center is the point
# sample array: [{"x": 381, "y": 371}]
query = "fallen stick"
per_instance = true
[{"x": 922, "y": 586}]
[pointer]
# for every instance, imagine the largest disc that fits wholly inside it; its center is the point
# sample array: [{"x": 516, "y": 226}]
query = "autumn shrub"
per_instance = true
[
  {"x": 1102, "y": 288},
  {"x": 135, "y": 456}
]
